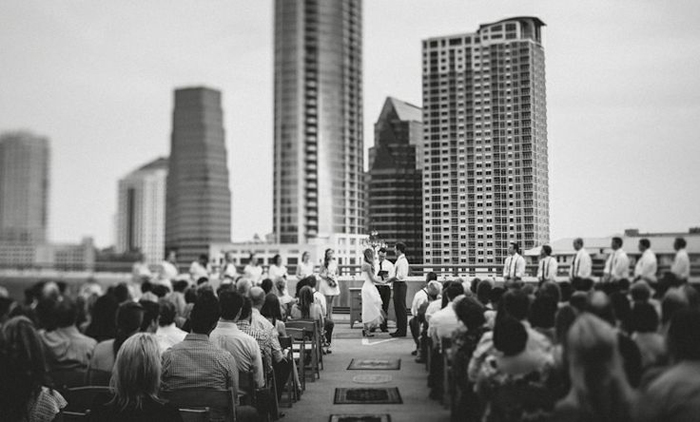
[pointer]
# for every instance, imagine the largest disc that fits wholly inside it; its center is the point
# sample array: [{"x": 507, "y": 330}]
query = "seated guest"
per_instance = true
[
  {"x": 542, "y": 314},
  {"x": 104, "y": 312},
  {"x": 513, "y": 383},
  {"x": 129, "y": 320},
  {"x": 444, "y": 321},
  {"x": 599, "y": 387},
  {"x": 66, "y": 346},
  {"x": 24, "y": 381},
  {"x": 419, "y": 305},
  {"x": 644, "y": 326},
  {"x": 135, "y": 382},
  {"x": 167, "y": 333},
  {"x": 675, "y": 394},
  {"x": 307, "y": 309},
  {"x": 319, "y": 298},
  {"x": 151, "y": 313},
  {"x": 229, "y": 337},
  {"x": 483, "y": 294},
  {"x": 273, "y": 312},
  {"x": 267, "y": 285}
]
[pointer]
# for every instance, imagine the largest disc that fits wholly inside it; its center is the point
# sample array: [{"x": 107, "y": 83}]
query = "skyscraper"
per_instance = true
[
  {"x": 141, "y": 211},
  {"x": 394, "y": 180},
  {"x": 24, "y": 187},
  {"x": 485, "y": 167},
  {"x": 318, "y": 147},
  {"x": 198, "y": 198}
]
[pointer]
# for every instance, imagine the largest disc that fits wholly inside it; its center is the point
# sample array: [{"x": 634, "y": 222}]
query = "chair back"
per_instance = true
[
  {"x": 68, "y": 377},
  {"x": 307, "y": 325},
  {"x": 68, "y": 416},
  {"x": 195, "y": 415},
  {"x": 220, "y": 402},
  {"x": 80, "y": 399},
  {"x": 98, "y": 377}
]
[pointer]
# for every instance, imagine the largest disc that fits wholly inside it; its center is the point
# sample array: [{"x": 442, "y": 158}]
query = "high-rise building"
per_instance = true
[
  {"x": 141, "y": 211},
  {"x": 198, "y": 198},
  {"x": 394, "y": 180},
  {"x": 24, "y": 187},
  {"x": 485, "y": 130},
  {"x": 318, "y": 147}
]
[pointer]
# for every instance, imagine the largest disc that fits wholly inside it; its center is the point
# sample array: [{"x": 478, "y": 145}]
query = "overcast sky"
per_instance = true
[{"x": 96, "y": 77}]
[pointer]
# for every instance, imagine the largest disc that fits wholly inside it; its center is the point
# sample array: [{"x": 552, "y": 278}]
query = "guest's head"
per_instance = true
[
  {"x": 451, "y": 291},
  {"x": 121, "y": 292},
  {"x": 674, "y": 300},
  {"x": 430, "y": 277},
  {"x": 566, "y": 290},
  {"x": 267, "y": 285},
  {"x": 246, "y": 310},
  {"x": 66, "y": 313},
  {"x": 582, "y": 284},
  {"x": 130, "y": 317},
  {"x": 202, "y": 280},
  {"x": 231, "y": 305},
  {"x": 160, "y": 291},
  {"x": 306, "y": 299},
  {"x": 483, "y": 292},
  {"x": 166, "y": 313},
  {"x": 271, "y": 308},
  {"x": 434, "y": 289},
  {"x": 205, "y": 313},
  {"x": 644, "y": 318},
  {"x": 509, "y": 336},
  {"x": 579, "y": 301},
  {"x": 563, "y": 321},
  {"x": 243, "y": 286},
  {"x": 150, "y": 316},
  {"x": 496, "y": 296},
  {"x": 470, "y": 312},
  {"x": 640, "y": 292},
  {"x": 601, "y": 306},
  {"x": 257, "y": 296},
  {"x": 306, "y": 281},
  {"x": 136, "y": 372},
  {"x": 684, "y": 335},
  {"x": 516, "y": 304},
  {"x": 180, "y": 286},
  {"x": 543, "y": 312},
  {"x": 550, "y": 289},
  {"x": 102, "y": 325},
  {"x": 621, "y": 308}
]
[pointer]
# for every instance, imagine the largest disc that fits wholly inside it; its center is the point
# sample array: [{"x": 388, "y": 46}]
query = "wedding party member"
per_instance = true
[
  {"x": 228, "y": 269},
  {"x": 328, "y": 285},
  {"x": 681, "y": 263},
  {"x": 385, "y": 270},
  {"x": 514, "y": 266},
  {"x": 371, "y": 299},
  {"x": 547, "y": 269},
  {"x": 618, "y": 264},
  {"x": 305, "y": 267},
  {"x": 646, "y": 266},
  {"x": 168, "y": 268},
  {"x": 278, "y": 275},
  {"x": 200, "y": 268},
  {"x": 581, "y": 267},
  {"x": 253, "y": 270},
  {"x": 401, "y": 270}
]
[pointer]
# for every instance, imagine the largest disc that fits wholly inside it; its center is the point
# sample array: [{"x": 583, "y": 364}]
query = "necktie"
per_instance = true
[
  {"x": 612, "y": 263},
  {"x": 380, "y": 268},
  {"x": 546, "y": 268},
  {"x": 512, "y": 266},
  {"x": 543, "y": 271},
  {"x": 575, "y": 273}
]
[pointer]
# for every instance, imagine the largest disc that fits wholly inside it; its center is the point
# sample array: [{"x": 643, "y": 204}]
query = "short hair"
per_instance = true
[
  {"x": 621, "y": 308},
  {"x": 382, "y": 250},
  {"x": 401, "y": 247},
  {"x": 516, "y": 304},
  {"x": 306, "y": 281},
  {"x": 623, "y": 285},
  {"x": 496, "y": 295},
  {"x": 645, "y": 242},
  {"x": 579, "y": 241},
  {"x": 166, "y": 312},
  {"x": 644, "y": 318},
  {"x": 275, "y": 258},
  {"x": 640, "y": 291},
  {"x": 257, "y": 296},
  {"x": 515, "y": 245},
  {"x": 601, "y": 306},
  {"x": 160, "y": 290},
  {"x": 65, "y": 312},
  {"x": 243, "y": 286},
  {"x": 202, "y": 280},
  {"x": 204, "y": 257},
  {"x": 550, "y": 289},
  {"x": 180, "y": 285},
  {"x": 681, "y": 242},
  {"x": 563, "y": 320},
  {"x": 191, "y": 295},
  {"x": 483, "y": 292},
  {"x": 136, "y": 372},
  {"x": 430, "y": 277},
  {"x": 543, "y": 312},
  {"x": 582, "y": 284},
  {"x": 146, "y": 286},
  {"x": 454, "y": 290},
  {"x": 267, "y": 285},
  {"x": 121, "y": 292},
  {"x": 151, "y": 313},
  {"x": 547, "y": 249},
  {"x": 509, "y": 336},
  {"x": 684, "y": 335},
  {"x": 130, "y": 316},
  {"x": 579, "y": 301},
  {"x": 674, "y": 301},
  {"x": 231, "y": 304},
  {"x": 247, "y": 308},
  {"x": 470, "y": 312},
  {"x": 566, "y": 291},
  {"x": 617, "y": 240},
  {"x": 205, "y": 313}
]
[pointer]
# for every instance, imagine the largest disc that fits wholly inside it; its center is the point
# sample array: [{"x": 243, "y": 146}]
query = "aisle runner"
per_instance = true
[
  {"x": 375, "y": 364},
  {"x": 367, "y": 396},
  {"x": 360, "y": 418}
]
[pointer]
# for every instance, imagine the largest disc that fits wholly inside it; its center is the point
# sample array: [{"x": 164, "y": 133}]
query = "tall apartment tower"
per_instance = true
[
  {"x": 24, "y": 188},
  {"x": 485, "y": 167},
  {"x": 198, "y": 198},
  {"x": 394, "y": 180},
  {"x": 318, "y": 147},
  {"x": 141, "y": 211}
]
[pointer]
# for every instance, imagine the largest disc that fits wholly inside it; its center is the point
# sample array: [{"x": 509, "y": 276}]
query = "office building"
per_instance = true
[
  {"x": 141, "y": 211},
  {"x": 198, "y": 198},
  {"x": 394, "y": 179},
  {"x": 485, "y": 175},
  {"x": 318, "y": 146}
]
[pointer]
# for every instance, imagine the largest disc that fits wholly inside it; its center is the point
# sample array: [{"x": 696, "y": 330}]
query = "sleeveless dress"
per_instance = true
[
  {"x": 331, "y": 271},
  {"x": 371, "y": 300}
]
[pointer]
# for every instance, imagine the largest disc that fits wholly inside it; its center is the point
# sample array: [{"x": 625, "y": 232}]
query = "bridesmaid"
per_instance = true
[{"x": 329, "y": 281}]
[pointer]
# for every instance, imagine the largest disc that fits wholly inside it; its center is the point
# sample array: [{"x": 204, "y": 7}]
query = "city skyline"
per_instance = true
[{"x": 618, "y": 72}]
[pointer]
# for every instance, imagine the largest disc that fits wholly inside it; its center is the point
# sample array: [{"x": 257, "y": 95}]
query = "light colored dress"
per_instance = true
[
  {"x": 371, "y": 300},
  {"x": 305, "y": 269},
  {"x": 332, "y": 272},
  {"x": 253, "y": 273}
]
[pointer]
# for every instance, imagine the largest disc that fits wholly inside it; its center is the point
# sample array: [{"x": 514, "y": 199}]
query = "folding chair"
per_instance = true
[
  {"x": 195, "y": 415},
  {"x": 291, "y": 385},
  {"x": 68, "y": 416},
  {"x": 80, "y": 399},
  {"x": 447, "y": 379},
  {"x": 68, "y": 376},
  {"x": 310, "y": 328},
  {"x": 298, "y": 336},
  {"x": 221, "y": 403}
]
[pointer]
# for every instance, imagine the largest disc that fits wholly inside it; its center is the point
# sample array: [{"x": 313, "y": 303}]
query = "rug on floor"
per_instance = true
[
  {"x": 360, "y": 418},
  {"x": 375, "y": 364},
  {"x": 367, "y": 396}
]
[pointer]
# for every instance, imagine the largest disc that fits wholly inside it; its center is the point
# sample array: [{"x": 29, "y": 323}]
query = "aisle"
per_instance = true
[{"x": 317, "y": 403}]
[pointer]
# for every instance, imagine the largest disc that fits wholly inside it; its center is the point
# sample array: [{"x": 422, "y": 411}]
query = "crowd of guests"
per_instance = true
[
  {"x": 579, "y": 350},
  {"x": 150, "y": 337}
]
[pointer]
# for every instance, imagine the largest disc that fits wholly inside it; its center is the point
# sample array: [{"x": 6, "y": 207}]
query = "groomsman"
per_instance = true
[
  {"x": 385, "y": 271},
  {"x": 582, "y": 265},
  {"x": 399, "y": 284},
  {"x": 547, "y": 270},
  {"x": 646, "y": 264},
  {"x": 514, "y": 266},
  {"x": 681, "y": 263},
  {"x": 617, "y": 266}
]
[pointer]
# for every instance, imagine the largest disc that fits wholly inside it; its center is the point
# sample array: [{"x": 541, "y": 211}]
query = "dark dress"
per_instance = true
[{"x": 150, "y": 411}]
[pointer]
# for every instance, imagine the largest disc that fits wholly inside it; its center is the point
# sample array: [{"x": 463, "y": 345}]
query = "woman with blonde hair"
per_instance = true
[
  {"x": 599, "y": 387},
  {"x": 371, "y": 300},
  {"x": 134, "y": 385}
]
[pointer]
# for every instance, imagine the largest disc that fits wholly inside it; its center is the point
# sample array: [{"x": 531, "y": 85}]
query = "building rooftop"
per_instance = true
[
  {"x": 407, "y": 111},
  {"x": 157, "y": 164}
]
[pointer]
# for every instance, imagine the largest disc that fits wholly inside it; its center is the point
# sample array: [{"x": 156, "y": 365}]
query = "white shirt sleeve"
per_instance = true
[
  {"x": 520, "y": 267},
  {"x": 681, "y": 265},
  {"x": 418, "y": 299},
  {"x": 585, "y": 266},
  {"x": 646, "y": 266},
  {"x": 506, "y": 267},
  {"x": 622, "y": 265},
  {"x": 401, "y": 268},
  {"x": 553, "y": 268}
]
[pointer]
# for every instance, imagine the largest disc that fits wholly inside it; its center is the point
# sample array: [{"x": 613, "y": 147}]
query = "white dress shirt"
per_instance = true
[
  {"x": 198, "y": 271},
  {"x": 646, "y": 266},
  {"x": 443, "y": 323},
  {"x": 253, "y": 273},
  {"x": 419, "y": 298},
  {"x": 582, "y": 266},
  {"x": 401, "y": 268},
  {"x": 547, "y": 270},
  {"x": 385, "y": 265},
  {"x": 617, "y": 265},
  {"x": 681, "y": 265},
  {"x": 169, "y": 336},
  {"x": 514, "y": 266}
]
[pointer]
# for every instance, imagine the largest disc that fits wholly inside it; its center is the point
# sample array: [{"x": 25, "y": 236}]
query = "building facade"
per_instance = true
[
  {"x": 394, "y": 179},
  {"x": 318, "y": 145},
  {"x": 485, "y": 131},
  {"x": 198, "y": 198},
  {"x": 141, "y": 211}
]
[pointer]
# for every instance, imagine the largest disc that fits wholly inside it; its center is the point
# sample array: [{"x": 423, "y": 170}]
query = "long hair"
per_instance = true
[
  {"x": 368, "y": 256},
  {"x": 326, "y": 259},
  {"x": 129, "y": 319},
  {"x": 306, "y": 299},
  {"x": 598, "y": 381},
  {"x": 136, "y": 372},
  {"x": 22, "y": 368},
  {"x": 271, "y": 308}
]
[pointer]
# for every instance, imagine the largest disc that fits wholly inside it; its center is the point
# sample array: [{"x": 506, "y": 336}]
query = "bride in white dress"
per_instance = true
[{"x": 371, "y": 300}]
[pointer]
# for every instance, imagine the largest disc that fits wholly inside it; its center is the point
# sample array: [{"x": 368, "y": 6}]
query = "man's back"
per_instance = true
[{"x": 242, "y": 346}]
